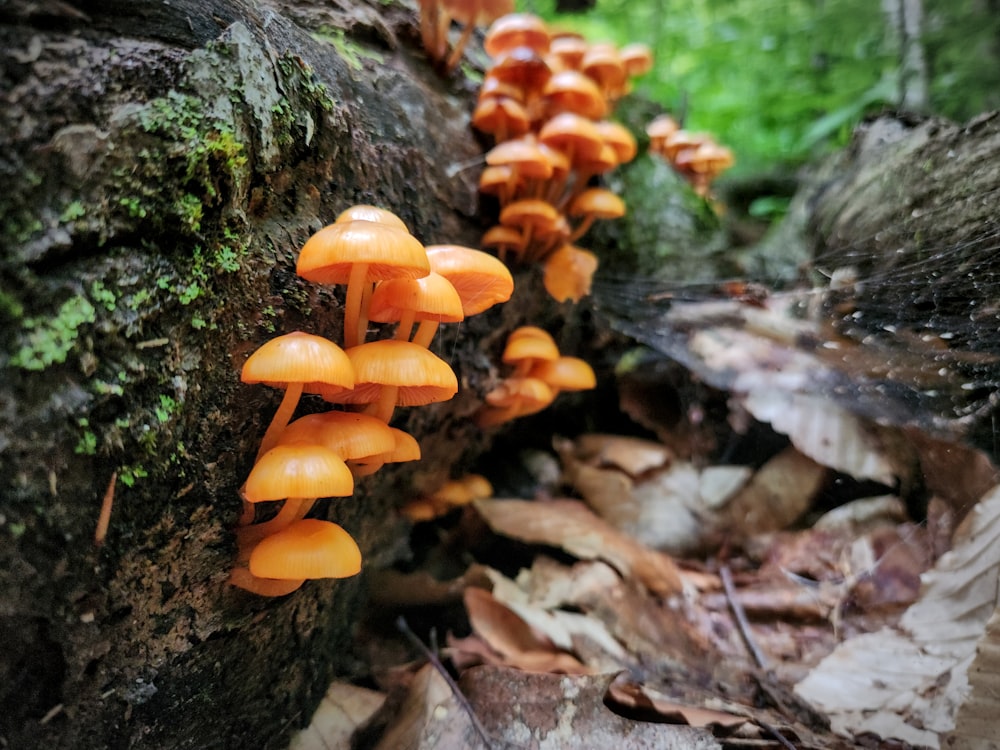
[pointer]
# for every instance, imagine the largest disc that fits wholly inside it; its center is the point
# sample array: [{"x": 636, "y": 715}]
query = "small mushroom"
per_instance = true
[
  {"x": 359, "y": 253},
  {"x": 308, "y": 549},
  {"x": 298, "y": 362}
]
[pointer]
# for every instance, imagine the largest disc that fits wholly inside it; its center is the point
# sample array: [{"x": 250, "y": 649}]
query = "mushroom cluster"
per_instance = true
[
  {"x": 695, "y": 156},
  {"x": 391, "y": 278},
  {"x": 436, "y": 17},
  {"x": 545, "y": 101},
  {"x": 454, "y": 493},
  {"x": 539, "y": 373}
]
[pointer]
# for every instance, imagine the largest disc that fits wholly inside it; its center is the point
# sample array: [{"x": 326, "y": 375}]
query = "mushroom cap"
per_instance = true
[
  {"x": 619, "y": 139},
  {"x": 420, "y": 376},
  {"x": 531, "y": 332},
  {"x": 529, "y": 348},
  {"x": 569, "y": 48},
  {"x": 306, "y": 549},
  {"x": 299, "y": 357},
  {"x": 299, "y": 470},
  {"x": 479, "y": 278},
  {"x": 573, "y": 134},
  {"x": 431, "y": 297},
  {"x": 526, "y": 212},
  {"x": 637, "y": 58},
  {"x": 599, "y": 202},
  {"x": 572, "y": 91},
  {"x": 503, "y": 238},
  {"x": 601, "y": 162},
  {"x": 659, "y": 128},
  {"x": 568, "y": 273},
  {"x": 500, "y": 113},
  {"x": 388, "y": 251},
  {"x": 681, "y": 140},
  {"x": 523, "y": 155},
  {"x": 603, "y": 63},
  {"x": 516, "y": 30},
  {"x": 365, "y": 212},
  {"x": 526, "y": 393},
  {"x": 498, "y": 180},
  {"x": 522, "y": 67},
  {"x": 350, "y": 435},
  {"x": 407, "y": 448},
  {"x": 565, "y": 374}
]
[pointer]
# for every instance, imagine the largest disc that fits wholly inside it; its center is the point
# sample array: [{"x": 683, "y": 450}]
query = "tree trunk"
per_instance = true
[
  {"x": 162, "y": 164},
  {"x": 905, "y": 20},
  {"x": 905, "y": 228}
]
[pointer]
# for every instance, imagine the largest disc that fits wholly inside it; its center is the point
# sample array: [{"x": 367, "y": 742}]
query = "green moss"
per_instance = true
[
  {"x": 10, "y": 307},
  {"x": 73, "y": 211},
  {"x": 103, "y": 296},
  {"x": 48, "y": 341},
  {"x": 87, "y": 444},
  {"x": 299, "y": 76},
  {"x": 349, "y": 51},
  {"x": 167, "y": 409},
  {"x": 129, "y": 473}
]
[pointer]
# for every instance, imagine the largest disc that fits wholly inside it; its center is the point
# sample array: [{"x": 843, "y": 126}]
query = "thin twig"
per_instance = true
[
  {"x": 104, "y": 519},
  {"x": 773, "y": 731},
  {"x": 433, "y": 659},
  {"x": 741, "y": 617},
  {"x": 744, "y": 625}
]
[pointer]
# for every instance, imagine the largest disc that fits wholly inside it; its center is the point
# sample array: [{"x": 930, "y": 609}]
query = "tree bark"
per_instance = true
[
  {"x": 903, "y": 229},
  {"x": 162, "y": 164}
]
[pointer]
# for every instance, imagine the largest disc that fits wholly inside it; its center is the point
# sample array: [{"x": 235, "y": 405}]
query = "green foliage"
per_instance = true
[
  {"x": 48, "y": 340},
  {"x": 778, "y": 79}
]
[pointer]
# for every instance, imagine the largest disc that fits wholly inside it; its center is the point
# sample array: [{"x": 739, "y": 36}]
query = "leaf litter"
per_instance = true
[{"x": 803, "y": 599}]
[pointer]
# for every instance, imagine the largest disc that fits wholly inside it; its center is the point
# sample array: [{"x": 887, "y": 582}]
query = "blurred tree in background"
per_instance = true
[{"x": 780, "y": 80}]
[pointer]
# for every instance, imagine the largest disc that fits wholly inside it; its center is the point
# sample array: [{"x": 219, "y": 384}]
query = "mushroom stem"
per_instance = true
[
  {"x": 456, "y": 53},
  {"x": 244, "y": 579},
  {"x": 293, "y": 510},
  {"x": 355, "y": 311},
  {"x": 385, "y": 405},
  {"x": 365, "y": 469},
  {"x": 582, "y": 228},
  {"x": 405, "y": 325},
  {"x": 281, "y": 418},
  {"x": 425, "y": 333}
]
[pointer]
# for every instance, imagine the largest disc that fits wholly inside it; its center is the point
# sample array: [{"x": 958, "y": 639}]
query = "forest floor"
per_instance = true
[{"x": 766, "y": 571}]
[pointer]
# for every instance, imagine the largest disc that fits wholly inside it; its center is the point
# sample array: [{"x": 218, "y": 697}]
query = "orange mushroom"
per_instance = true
[
  {"x": 297, "y": 362},
  {"x": 512, "y": 398},
  {"x": 568, "y": 273},
  {"x": 392, "y": 373},
  {"x": 431, "y": 300},
  {"x": 591, "y": 204},
  {"x": 516, "y": 30},
  {"x": 359, "y": 253},
  {"x": 480, "y": 279},
  {"x": 359, "y": 439},
  {"x": 297, "y": 474},
  {"x": 308, "y": 549}
]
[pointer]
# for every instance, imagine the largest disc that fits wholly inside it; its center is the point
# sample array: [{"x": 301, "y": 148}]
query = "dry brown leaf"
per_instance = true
[
  {"x": 632, "y": 455},
  {"x": 519, "y": 644},
  {"x": 825, "y": 432},
  {"x": 628, "y": 695},
  {"x": 776, "y": 496},
  {"x": 921, "y": 678},
  {"x": 976, "y": 725},
  {"x": 343, "y": 709},
  {"x": 564, "y": 712},
  {"x": 571, "y": 526},
  {"x": 429, "y": 718}
]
